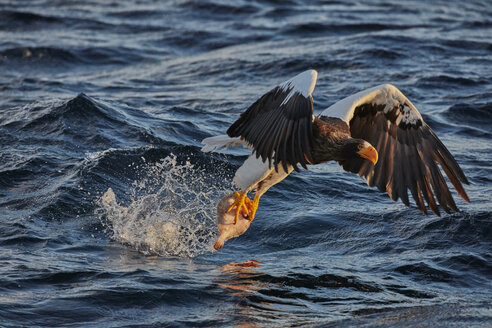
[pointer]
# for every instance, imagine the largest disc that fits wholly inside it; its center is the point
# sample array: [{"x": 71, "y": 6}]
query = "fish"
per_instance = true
[{"x": 226, "y": 224}]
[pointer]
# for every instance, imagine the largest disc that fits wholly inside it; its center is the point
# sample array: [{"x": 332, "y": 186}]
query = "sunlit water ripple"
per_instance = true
[{"x": 107, "y": 205}]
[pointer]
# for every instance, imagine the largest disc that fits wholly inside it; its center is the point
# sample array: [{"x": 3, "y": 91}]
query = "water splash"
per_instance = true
[{"x": 172, "y": 210}]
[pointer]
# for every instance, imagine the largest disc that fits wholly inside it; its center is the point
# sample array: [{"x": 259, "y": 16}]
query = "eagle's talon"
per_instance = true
[
  {"x": 253, "y": 206},
  {"x": 242, "y": 204}
]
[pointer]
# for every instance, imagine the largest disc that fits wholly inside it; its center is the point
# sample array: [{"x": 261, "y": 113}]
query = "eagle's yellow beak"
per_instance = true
[{"x": 369, "y": 152}]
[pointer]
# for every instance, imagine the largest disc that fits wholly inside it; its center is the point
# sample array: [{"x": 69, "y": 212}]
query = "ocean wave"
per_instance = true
[
  {"x": 82, "y": 120},
  {"x": 50, "y": 56},
  {"x": 323, "y": 28},
  {"x": 382, "y": 54},
  {"x": 474, "y": 114},
  {"x": 423, "y": 271},
  {"x": 442, "y": 79},
  {"x": 213, "y": 7},
  {"x": 312, "y": 281},
  {"x": 37, "y": 53},
  {"x": 12, "y": 19},
  {"x": 466, "y": 45}
]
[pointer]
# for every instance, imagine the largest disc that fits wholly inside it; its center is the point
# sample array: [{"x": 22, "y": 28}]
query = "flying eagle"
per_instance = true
[{"x": 282, "y": 132}]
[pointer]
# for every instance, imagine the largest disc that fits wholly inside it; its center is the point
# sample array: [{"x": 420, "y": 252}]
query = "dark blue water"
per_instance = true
[{"x": 107, "y": 205}]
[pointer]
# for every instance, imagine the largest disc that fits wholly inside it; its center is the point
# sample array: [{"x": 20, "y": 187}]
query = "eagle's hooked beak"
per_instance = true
[{"x": 369, "y": 152}]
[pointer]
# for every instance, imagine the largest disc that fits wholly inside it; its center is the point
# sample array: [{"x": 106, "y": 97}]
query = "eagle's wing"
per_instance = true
[
  {"x": 409, "y": 150},
  {"x": 279, "y": 124}
]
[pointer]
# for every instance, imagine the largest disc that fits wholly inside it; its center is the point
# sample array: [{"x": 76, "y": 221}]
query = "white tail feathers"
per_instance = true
[{"x": 221, "y": 143}]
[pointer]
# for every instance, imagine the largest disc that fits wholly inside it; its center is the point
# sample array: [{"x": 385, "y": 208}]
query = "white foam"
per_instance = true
[{"x": 172, "y": 211}]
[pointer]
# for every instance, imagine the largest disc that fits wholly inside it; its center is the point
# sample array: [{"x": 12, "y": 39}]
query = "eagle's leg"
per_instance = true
[
  {"x": 253, "y": 206},
  {"x": 241, "y": 203}
]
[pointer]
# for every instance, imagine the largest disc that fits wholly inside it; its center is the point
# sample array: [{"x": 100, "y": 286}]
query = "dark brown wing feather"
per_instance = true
[
  {"x": 279, "y": 132},
  {"x": 409, "y": 154}
]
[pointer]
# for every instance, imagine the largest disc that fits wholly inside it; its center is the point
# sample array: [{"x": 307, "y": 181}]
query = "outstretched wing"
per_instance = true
[
  {"x": 279, "y": 124},
  {"x": 409, "y": 151}
]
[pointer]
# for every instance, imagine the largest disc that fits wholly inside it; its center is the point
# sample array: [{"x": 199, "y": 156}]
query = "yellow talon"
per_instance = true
[
  {"x": 247, "y": 208},
  {"x": 253, "y": 206},
  {"x": 241, "y": 203}
]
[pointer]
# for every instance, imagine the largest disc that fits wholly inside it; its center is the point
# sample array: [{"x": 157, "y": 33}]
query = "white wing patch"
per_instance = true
[
  {"x": 408, "y": 116},
  {"x": 303, "y": 83},
  {"x": 385, "y": 94}
]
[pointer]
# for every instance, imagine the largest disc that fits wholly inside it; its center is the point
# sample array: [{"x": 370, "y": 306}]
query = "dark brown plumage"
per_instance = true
[{"x": 332, "y": 141}]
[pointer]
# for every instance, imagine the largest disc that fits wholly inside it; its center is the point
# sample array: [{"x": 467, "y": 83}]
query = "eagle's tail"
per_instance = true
[{"x": 220, "y": 143}]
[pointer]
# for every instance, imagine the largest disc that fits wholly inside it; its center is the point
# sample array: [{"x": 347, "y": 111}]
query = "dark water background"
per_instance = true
[{"x": 107, "y": 205}]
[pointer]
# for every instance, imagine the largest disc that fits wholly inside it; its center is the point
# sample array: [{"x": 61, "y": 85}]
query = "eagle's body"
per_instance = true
[{"x": 282, "y": 131}]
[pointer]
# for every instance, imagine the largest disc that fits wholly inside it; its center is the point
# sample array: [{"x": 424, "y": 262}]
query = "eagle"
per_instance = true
[{"x": 376, "y": 133}]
